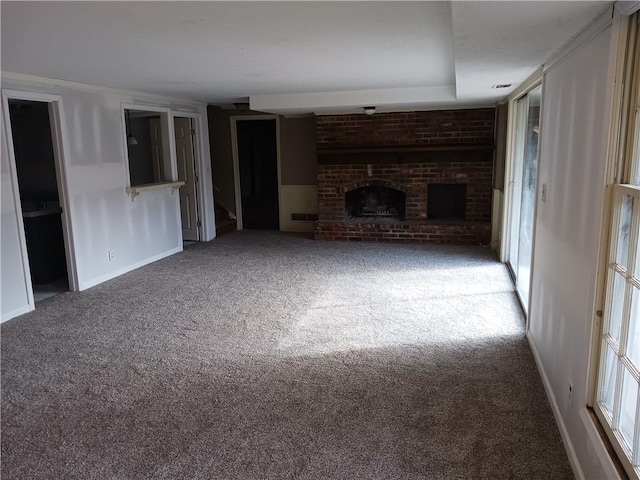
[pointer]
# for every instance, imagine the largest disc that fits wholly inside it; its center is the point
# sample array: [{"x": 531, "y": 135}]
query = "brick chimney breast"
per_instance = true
[{"x": 407, "y": 152}]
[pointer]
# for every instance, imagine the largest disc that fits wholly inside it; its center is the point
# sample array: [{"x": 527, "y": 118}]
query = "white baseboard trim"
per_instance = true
[
  {"x": 128, "y": 268},
  {"x": 564, "y": 433},
  {"x": 594, "y": 437},
  {"x": 601, "y": 450},
  {"x": 16, "y": 312}
]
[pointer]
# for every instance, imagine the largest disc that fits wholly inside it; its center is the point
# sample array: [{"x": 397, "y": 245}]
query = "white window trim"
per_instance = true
[
  {"x": 617, "y": 151},
  {"x": 167, "y": 128},
  {"x": 606, "y": 420}
]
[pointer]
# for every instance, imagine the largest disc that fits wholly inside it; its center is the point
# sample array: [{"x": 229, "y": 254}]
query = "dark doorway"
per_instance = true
[
  {"x": 39, "y": 199},
  {"x": 258, "y": 165}
]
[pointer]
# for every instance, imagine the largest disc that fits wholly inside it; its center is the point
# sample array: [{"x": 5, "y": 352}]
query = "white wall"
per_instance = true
[
  {"x": 103, "y": 216},
  {"x": 14, "y": 299},
  {"x": 574, "y": 132}
]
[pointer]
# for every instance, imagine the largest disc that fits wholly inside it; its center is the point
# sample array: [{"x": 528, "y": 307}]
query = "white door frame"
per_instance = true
[
  {"x": 516, "y": 167},
  {"x": 58, "y": 134},
  {"x": 532, "y": 82},
  {"x": 199, "y": 167},
  {"x": 201, "y": 154},
  {"x": 236, "y": 163}
]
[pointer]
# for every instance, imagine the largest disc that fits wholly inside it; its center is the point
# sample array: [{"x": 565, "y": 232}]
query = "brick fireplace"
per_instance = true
[{"x": 419, "y": 177}]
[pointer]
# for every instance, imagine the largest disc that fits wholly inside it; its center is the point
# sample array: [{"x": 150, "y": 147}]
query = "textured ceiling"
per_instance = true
[{"x": 293, "y": 56}]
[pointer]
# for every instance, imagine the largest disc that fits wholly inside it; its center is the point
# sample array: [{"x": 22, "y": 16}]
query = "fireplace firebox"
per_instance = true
[
  {"x": 374, "y": 204},
  {"x": 421, "y": 201}
]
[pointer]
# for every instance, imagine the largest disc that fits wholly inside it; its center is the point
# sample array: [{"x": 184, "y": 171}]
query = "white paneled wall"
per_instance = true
[
  {"x": 574, "y": 132},
  {"x": 15, "y": 298},
  {"x": 103, "y": 216}
]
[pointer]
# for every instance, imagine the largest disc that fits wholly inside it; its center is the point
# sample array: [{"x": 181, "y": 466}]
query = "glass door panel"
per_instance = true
[
  {"x": 523, "y": 193},
  {"x": 516, "y": 186}
]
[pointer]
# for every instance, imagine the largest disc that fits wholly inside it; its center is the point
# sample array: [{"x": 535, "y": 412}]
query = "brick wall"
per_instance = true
[
  {"x": 413, "y": 128},
  {"x": 424, "y": 233},
  {"x": 340, "y": 171},
  {"x": 335, "y": 180}
]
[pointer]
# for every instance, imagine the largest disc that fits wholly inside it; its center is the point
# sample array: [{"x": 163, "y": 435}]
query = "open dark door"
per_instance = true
[{"x": 258, "y": 164}]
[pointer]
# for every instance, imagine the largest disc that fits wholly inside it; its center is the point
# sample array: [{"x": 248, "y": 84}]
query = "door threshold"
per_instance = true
[{"x": 42, "y": 292}]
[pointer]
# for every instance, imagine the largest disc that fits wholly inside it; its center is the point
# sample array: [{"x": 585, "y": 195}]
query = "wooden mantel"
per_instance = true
[{"x": 406, "y": 154}]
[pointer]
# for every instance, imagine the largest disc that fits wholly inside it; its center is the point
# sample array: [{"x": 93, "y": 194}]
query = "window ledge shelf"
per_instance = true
[{"x": 138, "y": 189}]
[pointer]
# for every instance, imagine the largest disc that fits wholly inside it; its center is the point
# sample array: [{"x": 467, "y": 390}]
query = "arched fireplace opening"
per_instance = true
[{"x": 374, "y": 204}]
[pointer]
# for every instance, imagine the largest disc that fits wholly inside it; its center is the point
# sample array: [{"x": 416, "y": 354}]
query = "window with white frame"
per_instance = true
[{"x": 618, "y": 390}]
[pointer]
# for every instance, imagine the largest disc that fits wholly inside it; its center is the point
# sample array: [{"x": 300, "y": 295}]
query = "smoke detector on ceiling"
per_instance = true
[{"x": 502, "y": 85}]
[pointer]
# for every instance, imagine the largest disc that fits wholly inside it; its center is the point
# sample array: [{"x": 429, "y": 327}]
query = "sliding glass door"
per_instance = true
[{"x": 524, "y": 173}]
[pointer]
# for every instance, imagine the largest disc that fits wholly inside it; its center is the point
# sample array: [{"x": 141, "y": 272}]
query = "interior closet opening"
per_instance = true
[{"x": 39, "y": 196}]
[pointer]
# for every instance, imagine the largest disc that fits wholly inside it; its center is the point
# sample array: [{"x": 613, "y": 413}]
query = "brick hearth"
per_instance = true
[{"x": 406, "y": 152}]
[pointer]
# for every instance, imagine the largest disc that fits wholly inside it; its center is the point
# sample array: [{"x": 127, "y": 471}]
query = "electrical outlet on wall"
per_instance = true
[
  {"x": 570, "y": 393},
  {"x": 111, "y": 255}
]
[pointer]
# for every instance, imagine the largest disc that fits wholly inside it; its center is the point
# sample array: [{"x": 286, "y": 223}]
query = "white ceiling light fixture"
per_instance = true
[{"x": 369, "y": 110}]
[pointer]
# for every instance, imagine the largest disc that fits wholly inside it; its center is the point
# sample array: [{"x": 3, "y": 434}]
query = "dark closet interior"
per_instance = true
[{"x": 39, "y": 198}]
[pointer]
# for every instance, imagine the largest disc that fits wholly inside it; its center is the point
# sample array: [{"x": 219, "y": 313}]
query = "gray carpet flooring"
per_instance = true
[{"x": 262, "y": 355}]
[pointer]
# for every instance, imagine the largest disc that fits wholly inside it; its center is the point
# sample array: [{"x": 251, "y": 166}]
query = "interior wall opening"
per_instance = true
[
  {"x": 39, "y": 196},
  {"x": 147, "y": 147},
  {"x": 258, "y": 171}
]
